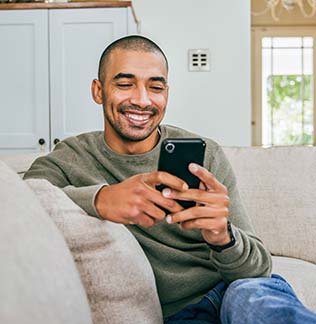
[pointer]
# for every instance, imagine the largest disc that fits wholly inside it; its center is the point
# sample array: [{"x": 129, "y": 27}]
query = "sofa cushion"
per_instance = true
[
  {"x": 302, "y": 277},
  {"x": 114, "y": 269},
  {"x": 20, "y": 163},
  {"x": 38, "y": 277},
  {"x": 278, "y": 188}
]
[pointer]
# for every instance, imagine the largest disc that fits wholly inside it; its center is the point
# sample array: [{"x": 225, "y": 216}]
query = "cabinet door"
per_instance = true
[
  {"x": 77, "y": 39},
  {"x": 24, "y": 113}
]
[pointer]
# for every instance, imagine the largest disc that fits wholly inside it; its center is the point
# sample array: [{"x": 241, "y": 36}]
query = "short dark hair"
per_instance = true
[{"x": 132, "y": 42}]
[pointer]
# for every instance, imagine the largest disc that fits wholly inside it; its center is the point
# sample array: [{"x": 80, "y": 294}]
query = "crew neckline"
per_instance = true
[{"x": 109, "y": 151}]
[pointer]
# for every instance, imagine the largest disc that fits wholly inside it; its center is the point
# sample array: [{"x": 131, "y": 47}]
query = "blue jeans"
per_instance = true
[{"x": 247, "y": 301}]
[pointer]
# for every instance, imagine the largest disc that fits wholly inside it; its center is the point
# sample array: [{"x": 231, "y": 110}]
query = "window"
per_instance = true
[{"x": 283, "y": 86}]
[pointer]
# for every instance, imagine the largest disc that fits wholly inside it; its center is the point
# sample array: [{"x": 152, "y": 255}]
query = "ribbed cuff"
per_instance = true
[
  {"x": 85, "y": 197},
  {"x": 230, "y": 254}
]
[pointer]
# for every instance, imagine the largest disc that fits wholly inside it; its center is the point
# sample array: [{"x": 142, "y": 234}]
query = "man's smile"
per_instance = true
[{"x": 138, "y": 118}]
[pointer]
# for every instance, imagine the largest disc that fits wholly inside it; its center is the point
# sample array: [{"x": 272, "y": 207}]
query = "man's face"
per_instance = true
[{"x": 134, "y": 94}]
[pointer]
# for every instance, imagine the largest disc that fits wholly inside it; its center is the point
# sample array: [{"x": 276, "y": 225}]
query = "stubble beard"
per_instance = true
[{"x": 120, "y": 129}]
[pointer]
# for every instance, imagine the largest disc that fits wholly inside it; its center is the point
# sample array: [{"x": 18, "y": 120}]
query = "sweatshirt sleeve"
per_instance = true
[
  {"x": 248, "y": 257},
  {"x": 56, "y": 167},
  {"x": 85, "y": 197}
]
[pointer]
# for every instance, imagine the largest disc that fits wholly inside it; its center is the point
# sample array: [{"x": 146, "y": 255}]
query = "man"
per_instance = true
[{"x": 195, "y": 252}]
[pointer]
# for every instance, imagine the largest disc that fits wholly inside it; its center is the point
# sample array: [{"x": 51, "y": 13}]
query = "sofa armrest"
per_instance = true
[
  {"x": 39, "y": 280},
  {"x": 115, "y": 272}
]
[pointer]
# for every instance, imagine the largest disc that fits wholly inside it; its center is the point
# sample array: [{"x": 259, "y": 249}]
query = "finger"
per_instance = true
[
  {"x": 136, "y": 216},
  {"x": 164, "y": 178},
  {"x": 202, "y": 186},
  {"x": 207, "y": 178},
  {"x": 214, "y": 226},
  {"x": 145, "y": 221},
  {"x": 146, "y": 204},
  {"x": 144, "y": 213},
  {"x": 154, "y": 197},
  {"x": 153, "y": 211},
  {"x": 199, "y": 196},
  {"x": 198, "y": 212}
]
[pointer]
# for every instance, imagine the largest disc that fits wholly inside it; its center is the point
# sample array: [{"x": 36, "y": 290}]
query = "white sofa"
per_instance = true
[
  {"x": 278, "y": 188},
  {"x": 96, "y": 271}
]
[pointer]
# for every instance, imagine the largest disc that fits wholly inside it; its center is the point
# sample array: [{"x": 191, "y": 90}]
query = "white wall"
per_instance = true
[{"x": 217, "y": 103}]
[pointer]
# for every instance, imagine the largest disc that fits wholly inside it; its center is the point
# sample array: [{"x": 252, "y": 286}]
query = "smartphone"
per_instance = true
[{"x": 175, "y": 156}]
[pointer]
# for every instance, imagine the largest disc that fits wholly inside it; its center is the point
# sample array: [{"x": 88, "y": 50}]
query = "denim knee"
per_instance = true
[
  {"x": 259, "y": 300},
  {"x": 244, "y": 287},
  {"x": 238, "y": 293}
]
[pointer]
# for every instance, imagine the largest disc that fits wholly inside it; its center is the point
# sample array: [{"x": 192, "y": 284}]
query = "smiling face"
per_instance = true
[{"x": 134, "y": 96}]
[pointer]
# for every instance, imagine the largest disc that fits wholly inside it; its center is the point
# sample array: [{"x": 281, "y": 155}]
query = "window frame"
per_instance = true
[{"x": 257, "y": 33}]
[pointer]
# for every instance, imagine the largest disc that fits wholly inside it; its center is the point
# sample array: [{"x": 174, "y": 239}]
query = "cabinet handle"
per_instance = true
[
  {"x": 41, "y": 141},
  {"x": 56, "y": 141}
]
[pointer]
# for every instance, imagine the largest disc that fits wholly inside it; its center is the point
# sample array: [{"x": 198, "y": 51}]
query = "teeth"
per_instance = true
[{"x": 138, "y": 117}]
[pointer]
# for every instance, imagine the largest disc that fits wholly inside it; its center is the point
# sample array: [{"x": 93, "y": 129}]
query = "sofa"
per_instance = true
[{"x": 58, "y": 265}]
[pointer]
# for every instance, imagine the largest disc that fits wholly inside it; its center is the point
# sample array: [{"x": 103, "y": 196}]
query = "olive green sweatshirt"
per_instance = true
[{"x": 185, "y": 267}]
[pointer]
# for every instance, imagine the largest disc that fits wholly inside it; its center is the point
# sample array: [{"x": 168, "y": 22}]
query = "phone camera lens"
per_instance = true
[{"x": 170, "y": 147}]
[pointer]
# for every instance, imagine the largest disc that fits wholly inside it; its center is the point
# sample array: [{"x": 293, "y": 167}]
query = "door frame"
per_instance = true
[{"x": 257, "y": 33}]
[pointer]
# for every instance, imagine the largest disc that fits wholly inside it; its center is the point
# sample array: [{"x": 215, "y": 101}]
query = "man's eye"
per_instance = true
[
  {"x": 124, "y": 85},
  {"x": 157, "y": 88}
]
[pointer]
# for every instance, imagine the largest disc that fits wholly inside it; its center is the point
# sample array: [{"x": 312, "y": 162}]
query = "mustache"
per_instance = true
[{"x": 124, "y": 108}]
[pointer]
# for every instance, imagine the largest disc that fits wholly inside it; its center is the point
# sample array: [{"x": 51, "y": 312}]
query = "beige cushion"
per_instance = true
[
  {"x": 302, "y": 277},
  {"x": 278, "y": 187},
  {"x": 114, "y": 269},
  {"x": 39, "y": 282},
  {"x": 20, "y": 163}
]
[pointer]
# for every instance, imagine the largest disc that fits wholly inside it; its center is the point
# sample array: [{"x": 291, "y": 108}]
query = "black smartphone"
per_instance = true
[{"x": 175, "y": 156}]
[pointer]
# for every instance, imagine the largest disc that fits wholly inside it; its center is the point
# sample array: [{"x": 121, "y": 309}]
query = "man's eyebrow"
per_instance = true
[
  {"x": 124, "y": 76},
  {"x": 160, "y": 79},
  {"x": 132, "y": 76}
]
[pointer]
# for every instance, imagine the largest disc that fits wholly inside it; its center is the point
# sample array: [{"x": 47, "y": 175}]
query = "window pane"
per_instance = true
[
  {"x": 266, "y": 42},
  {"x": 266, "y": 84},
  {"x": 308, "y": 61},
  {"x": 308, "y": 42},
  {"x": 287, "y": 61},
  {"x": 287, "y": 93},
  {"x": 308, "y": 113},
  {"x": 287, "y": 105},
  {"x": 287, "y": 42}
]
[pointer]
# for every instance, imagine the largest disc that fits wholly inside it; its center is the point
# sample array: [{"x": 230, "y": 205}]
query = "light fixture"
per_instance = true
[{"x": 272, "y": 5}]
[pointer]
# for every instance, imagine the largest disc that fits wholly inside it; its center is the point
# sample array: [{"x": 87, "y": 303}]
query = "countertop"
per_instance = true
[{"x": 66, "y": 5}]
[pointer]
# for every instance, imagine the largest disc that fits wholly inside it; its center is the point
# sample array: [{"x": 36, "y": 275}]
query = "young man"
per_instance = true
[{"x": 113, "y": 175}]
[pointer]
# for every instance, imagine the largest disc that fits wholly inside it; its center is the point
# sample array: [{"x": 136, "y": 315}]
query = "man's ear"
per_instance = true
[{"x": 96, "y": 90}]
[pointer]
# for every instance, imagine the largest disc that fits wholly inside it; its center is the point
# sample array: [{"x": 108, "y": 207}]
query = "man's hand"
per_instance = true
[
  {"x": 211, "y": 212},
  {"x": 136, "y": 200}
]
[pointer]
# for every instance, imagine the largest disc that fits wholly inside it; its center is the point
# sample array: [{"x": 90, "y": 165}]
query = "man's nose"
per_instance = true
[{"x": 140, "y": 97}]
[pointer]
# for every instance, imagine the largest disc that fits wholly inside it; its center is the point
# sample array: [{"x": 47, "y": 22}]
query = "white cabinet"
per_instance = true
[
  {"x": 24, "y": 80},
  {"x": 48, "y": 58}
]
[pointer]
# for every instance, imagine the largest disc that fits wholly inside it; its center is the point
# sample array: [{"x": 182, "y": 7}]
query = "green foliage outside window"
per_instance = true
[{"x": 290, "y": 107}]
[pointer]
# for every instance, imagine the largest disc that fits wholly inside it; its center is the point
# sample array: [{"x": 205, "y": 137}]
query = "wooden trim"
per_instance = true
[
  {"x": 137, "y": 20},
  {"x": 256, "y": 89},
  {"x": 257, "y": 34},
  {"x": 314, "y": 91},
  {"x": 67, "y": 5},
  {"x": 284, "y": 31}
]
